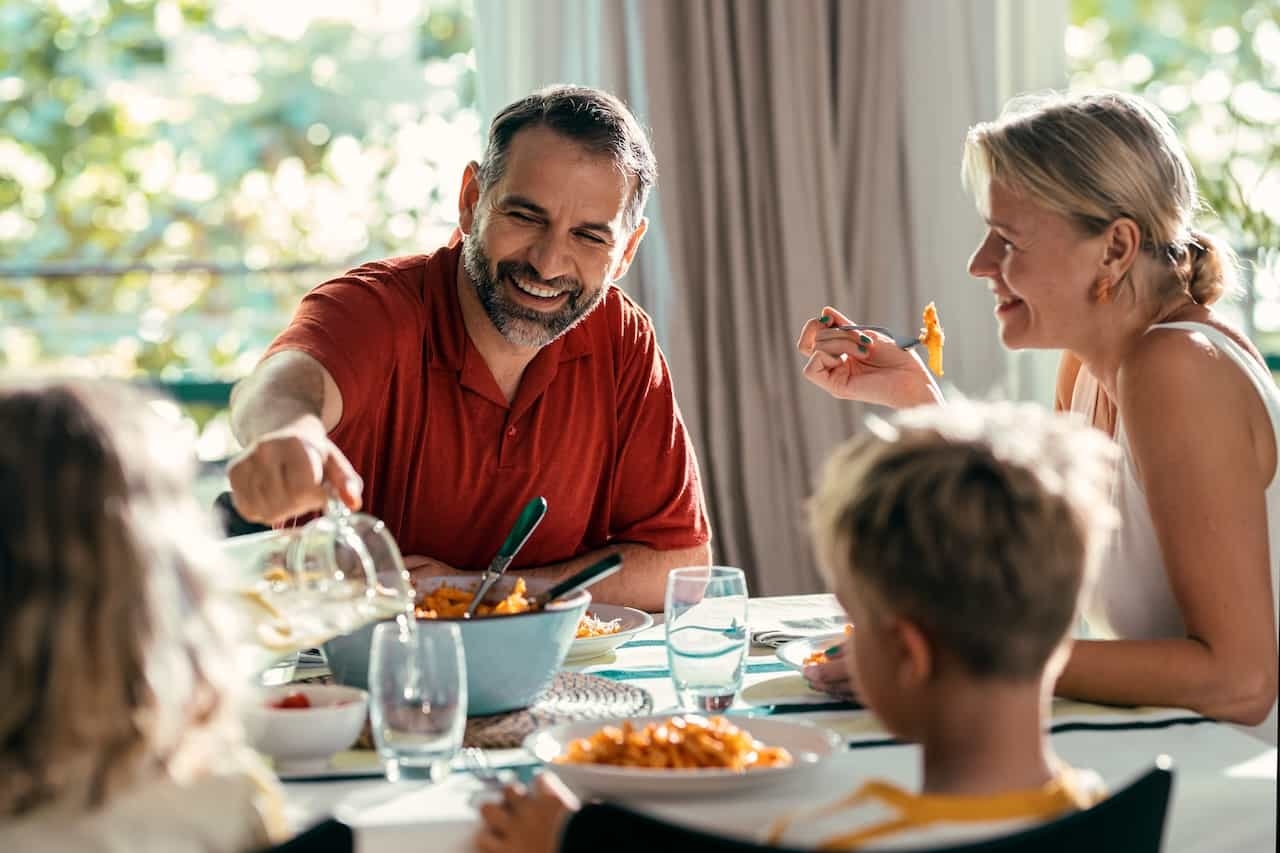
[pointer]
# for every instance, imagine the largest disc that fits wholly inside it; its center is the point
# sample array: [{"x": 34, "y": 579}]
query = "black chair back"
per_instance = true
[
  {"x": 329, "y": 836},
  {"x": 233, "y": 524},
  {"x": 1131, "y": 820}
]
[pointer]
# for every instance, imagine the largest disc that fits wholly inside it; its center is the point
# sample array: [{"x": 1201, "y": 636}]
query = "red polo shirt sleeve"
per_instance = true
[
  {"x": 350, "y": 325},
  {"x": 657, "y": 494}
]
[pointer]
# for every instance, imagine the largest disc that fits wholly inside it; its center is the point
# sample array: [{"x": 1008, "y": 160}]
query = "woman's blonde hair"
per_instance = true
[
  {"x": 1098, "y": 157},
  {"x": 981, "y": 523},
  {"x": 111, "y": 664}
]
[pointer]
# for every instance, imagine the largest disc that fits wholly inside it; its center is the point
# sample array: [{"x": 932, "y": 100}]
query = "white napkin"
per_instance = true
[{"x": 796, "y": 629}]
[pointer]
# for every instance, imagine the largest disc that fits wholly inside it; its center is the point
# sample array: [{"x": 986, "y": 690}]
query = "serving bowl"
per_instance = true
[{"x": 511, "y": 659}]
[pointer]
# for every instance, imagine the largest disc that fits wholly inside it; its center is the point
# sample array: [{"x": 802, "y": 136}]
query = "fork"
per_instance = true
[
  {"x": 478, "y": 764},
  {"x": 905, "y": 343}
]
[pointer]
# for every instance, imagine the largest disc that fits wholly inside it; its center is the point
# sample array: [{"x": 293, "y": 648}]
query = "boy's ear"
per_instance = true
[{"x": 915, "y": 659}]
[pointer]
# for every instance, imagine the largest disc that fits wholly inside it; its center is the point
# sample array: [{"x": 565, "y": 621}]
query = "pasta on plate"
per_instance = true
[{"x": 685, "y": 742}]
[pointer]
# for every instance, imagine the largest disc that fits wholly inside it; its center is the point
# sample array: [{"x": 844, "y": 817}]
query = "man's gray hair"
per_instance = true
[{"x": 599, "y": 122}]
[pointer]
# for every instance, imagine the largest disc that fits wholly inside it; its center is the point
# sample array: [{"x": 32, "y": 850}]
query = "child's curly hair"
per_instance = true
[{"x": 110, "y": 664}]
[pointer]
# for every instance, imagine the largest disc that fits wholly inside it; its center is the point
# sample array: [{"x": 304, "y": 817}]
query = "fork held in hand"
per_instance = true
[{"x": 905, "y": 343}]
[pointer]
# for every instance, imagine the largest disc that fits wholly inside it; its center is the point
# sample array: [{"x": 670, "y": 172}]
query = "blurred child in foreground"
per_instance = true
[{"x": 117, "y": 729}]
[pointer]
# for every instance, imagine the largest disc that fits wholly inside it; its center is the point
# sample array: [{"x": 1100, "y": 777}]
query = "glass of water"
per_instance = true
[
  {"x": 706, "y": 621},
  {"x": 417, "y": 697}
]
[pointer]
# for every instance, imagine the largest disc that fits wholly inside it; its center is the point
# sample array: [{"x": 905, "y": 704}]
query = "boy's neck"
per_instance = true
[{"x": 987, "y": 739}]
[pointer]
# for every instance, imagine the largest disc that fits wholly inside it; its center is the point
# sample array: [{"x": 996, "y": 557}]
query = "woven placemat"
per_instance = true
[{"x": 572, "y": 696}]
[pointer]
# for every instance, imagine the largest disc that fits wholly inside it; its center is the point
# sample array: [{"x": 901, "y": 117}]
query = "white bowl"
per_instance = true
[
  {"x": 632, "y": 622},
  {"x": 305, "y": 738},
  {"x": 808, "y": 744}
]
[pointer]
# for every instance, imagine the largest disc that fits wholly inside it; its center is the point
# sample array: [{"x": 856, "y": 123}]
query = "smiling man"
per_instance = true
[{"x": 443, "y": 391}]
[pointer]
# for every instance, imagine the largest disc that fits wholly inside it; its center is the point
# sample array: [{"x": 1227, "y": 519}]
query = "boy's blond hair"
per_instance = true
[{"x": 980, "y": 523}]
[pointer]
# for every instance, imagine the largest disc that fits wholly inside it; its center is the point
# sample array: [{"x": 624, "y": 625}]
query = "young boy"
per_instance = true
[{"x": 958, "y": 539}]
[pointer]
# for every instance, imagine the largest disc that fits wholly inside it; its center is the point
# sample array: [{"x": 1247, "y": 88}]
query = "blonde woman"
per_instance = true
[
  {"x": 1091, "y": 248},
  {"x": 116, "y": 726}
]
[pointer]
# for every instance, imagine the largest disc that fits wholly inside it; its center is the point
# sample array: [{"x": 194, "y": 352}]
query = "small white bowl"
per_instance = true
[{"x": 304, "y": 738}]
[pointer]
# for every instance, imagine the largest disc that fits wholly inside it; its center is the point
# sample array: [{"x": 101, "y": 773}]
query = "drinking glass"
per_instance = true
[
  {"x": 706, "y": 622},
  {"x": 417, "y": 697}
]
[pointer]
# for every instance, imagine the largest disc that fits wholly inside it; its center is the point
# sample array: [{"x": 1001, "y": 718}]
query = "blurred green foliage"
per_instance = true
[
  {"x": 233, "y": 133},
  {"x": 1214, "y": 67}
]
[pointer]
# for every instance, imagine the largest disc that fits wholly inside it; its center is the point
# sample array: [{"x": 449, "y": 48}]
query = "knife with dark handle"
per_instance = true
[{"x": 593, "y": 573}]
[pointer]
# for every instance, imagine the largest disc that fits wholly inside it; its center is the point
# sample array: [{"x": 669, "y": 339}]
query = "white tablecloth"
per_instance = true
[{"x": 1224, "y": 795}]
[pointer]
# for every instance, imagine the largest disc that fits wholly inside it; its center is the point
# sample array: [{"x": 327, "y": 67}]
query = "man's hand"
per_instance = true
[
  {"x": 531, "y": 821},
  {"x": 420, "y": 568},
  {"x": 285, "y": 473}
]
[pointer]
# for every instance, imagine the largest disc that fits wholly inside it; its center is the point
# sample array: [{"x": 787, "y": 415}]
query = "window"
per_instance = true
[
  {"x": 1214, "y": 67},
  {"x": 174, "y": 174}
]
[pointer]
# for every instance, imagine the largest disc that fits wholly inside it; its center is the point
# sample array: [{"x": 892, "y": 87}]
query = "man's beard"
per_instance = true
[{"x": 524, "y": 327}]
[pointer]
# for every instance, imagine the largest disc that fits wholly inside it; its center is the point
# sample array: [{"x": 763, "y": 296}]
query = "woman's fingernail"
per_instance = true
[
  {"x": 834, "y": 650},
  {"x": 862, "y": 349},
  {"x": 824, "y": 320},
  {"x": 864, "y": 339}
]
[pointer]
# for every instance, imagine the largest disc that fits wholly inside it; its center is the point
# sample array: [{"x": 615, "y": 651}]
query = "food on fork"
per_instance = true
[
  {"x": 593, "y": 626},
  {"x": 685, "y": 742},
  {"x": 822, "y": 656},
  {"x": 932, "y": 337}
]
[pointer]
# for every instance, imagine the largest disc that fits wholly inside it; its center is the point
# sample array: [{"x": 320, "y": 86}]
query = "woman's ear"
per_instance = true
[{"x": 1122, "y": 241}]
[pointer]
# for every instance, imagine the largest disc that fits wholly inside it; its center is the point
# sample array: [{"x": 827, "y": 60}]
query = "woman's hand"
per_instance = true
[
  {"x": 527, "y": 820},
  {"x": 835, "y": 677},
  {"x": 863, "y": 365}
]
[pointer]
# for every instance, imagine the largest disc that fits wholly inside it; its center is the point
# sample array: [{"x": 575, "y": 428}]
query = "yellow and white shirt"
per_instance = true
[{"x": 882, "y": 816}]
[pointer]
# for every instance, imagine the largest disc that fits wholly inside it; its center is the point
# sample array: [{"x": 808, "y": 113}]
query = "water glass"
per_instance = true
[
  {"x": 417, "y": 697},
  {"x": 706, "y": 622}
]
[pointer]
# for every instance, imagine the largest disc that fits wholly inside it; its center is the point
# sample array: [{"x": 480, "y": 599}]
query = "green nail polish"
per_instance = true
[
  {"x": 862, "y": 349},
  {"x": 864, "y": 338},
  {"x": 824, "y": 320},
  {"x": 831, "y": 651}
]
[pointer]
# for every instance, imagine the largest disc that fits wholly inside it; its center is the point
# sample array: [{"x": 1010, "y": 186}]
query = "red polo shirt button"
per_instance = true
[{"x": 511, "y": 432}]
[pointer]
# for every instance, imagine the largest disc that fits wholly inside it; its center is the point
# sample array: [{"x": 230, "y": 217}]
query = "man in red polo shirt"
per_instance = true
[{"x": 443, "y": 391}]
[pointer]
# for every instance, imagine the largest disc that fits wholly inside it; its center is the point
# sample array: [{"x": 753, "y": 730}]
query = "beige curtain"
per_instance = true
[{"x": 778, "y": 130}]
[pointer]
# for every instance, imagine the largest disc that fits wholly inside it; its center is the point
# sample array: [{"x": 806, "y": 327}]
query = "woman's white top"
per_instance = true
[{"x": 1131, "y": 597}]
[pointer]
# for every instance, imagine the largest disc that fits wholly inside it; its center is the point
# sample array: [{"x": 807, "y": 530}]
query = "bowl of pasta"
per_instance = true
[
  {"x": 512, "y": 651},
  {"x": 679, "y": 755}
]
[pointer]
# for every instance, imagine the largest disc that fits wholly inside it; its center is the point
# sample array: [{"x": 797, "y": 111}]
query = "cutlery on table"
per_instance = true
[
  {"x": 530, "y": 517},
  {"x": 593, "y": 573}
]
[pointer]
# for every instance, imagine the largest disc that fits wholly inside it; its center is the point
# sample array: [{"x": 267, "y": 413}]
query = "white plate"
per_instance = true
[
  {"x": 807, "y": 743},
  {"x": 633, "y": 622},
  {"x": 794, "y": 652}
]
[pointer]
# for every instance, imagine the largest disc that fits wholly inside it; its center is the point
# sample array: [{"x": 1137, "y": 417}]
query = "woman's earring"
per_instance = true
[{"x": 1102, "y": 290}]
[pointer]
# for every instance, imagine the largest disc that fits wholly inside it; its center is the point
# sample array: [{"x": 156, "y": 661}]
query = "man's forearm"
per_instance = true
[
  {"x": 283, "y": 390},
  {"x": 642, "y": 582}
]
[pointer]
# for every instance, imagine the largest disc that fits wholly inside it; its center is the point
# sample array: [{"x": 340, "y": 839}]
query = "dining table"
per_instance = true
[{"x": 1223, "y": 796}]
